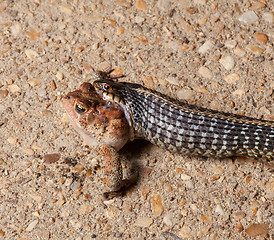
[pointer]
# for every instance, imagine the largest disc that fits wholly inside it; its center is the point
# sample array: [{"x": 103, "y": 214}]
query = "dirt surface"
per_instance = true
[{"x": 216, "y": 54}]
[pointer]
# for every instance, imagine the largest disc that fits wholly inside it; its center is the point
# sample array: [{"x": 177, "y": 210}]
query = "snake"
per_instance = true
[{"x": 185, "y": 128}]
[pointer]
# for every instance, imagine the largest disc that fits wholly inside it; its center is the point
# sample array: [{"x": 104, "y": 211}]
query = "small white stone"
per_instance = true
[
  {"x": 189, "y": 184},
  {"x": 202, "y": 2},
  {"x": 163, "y": 4},
  {"x": 75, "y": 223},
  {"x": 31, "y": 226},
  {"x": 249, "y": 17},
  {"x": 219, "y": 210},
  {"x": 232, "y": 78},
  {"x": 268, "y": 17},
  {"x": 205, "y": 72},
  {"x": 239, "y": 52},
  {"x": 172, "y": 80},
  {"x": 12, "y": 140},
  {"x": 139, "y": 19},
  {"x": 185, "y": 177},
  {"x": 185, "y": 94},
  {"x": 174, "y": 45},
  {"x": 75, "y": 185},
  {"x": 31, "y": 54},
  {"x": 227, "y": 62},
  {"x": 194, "y": 207},
  {"x": 230, "y": 43},
  {"x": 208, "y": 45},
  {"x": 239, "y": 92},
  {"x": 16, "y": 29},
  {"x": 168, "y": 219},
  {"x": 143, "y": 221},
  {"x": 66, "y": 9},
  {"x": 34, "y": 82},
  {"x": 59, "y": 76},
  {"x": 14, "y": 88}
]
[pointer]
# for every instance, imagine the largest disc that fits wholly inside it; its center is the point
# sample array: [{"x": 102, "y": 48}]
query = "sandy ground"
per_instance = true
[{"x": 216, "y": 54}]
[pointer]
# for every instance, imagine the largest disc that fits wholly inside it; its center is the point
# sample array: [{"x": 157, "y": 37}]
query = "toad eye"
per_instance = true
[{"x": 80, "y": 108}]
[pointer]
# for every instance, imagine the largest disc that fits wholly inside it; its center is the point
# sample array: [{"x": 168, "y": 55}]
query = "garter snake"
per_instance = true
[{"x": 184, "y": 128}]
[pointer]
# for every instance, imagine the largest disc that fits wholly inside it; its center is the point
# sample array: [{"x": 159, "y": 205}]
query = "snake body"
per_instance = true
[{"x": 184, "y": 128}]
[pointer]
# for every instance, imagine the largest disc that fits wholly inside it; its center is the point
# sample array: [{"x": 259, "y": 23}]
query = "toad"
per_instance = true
[{"x": 102, "y": 125}]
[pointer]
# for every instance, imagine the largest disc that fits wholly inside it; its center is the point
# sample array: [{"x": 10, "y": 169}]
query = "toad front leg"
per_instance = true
[{"x": 113, "y": 172}]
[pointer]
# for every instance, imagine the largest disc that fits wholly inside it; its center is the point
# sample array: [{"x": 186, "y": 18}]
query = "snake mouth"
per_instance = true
[{"x": 104, "y": 90}]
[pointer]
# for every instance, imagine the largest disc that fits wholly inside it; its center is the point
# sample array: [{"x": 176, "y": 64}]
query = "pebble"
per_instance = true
[
  {"x": 31, "y": 54},
  {"x": 206, "y": 218},
  {"x": 232, "y": 78},
  {"x": 173, "y": 80},
  {"x": 76, "y": 224},
  {"x": 52, "y": 85},
  {"x": 254, "y": 230},
  {"x": 249, "y": 17},
  {"x": 157, "y": 205},
  {"x": 139, "y": 19},
  {"x": 186, "y": 26},
  {"x": 31, "y": 226},
  {"x": 12, "y": 140},
  {"x": 14, "y": 88},
  {"x": 203, "y": 20},
  {"x": 185, "y": 94},
  {"x": 59, "y": 76},
  {"x": 205, "y": 72},
  {"x": 268, "y": 17},
  {"x": 66, "y": 9},
  {"x": 120, "y": 31},
  {"x": 239, "y": 52},
  {"x": 61, "y": 200},
  {"x": 230, "y": 43},
  {"x": 143, "y": 221},
  {"x": 141, "y": 4},
  {"x": 260, "y": 37},
  {"x": 168, "y": 219},
  {"x": 192, "y": 10},
  {"x": 239, "y": 92},
  {"x": 78, "y": 168},
  {"x": 219, "y": 210},
  {"x": 185, "y": 177},
  {"x": 2, "y": 233},
  {"x": 239, "y": 215},
  {"x": 34, "y": 82},
  {"x": 112, "y": 213},
  {"x": 28, "y": 151},
  {"x": 37, "y": 198},
  {"x": 144, "y": 191},
  {"x": 255, "y": 49},
  {"x": 194, "y": 207},
  {"x": 219, "y": 26},
  {"x": 163, "y": 4},
  {"x": 75, "y": 185},
  {"x": 52, "y": 158},
  {"x": 208, "y": 45},
  {"x": 3, "y": 93},
  {"x": 227, "y": 62},
  {"x": 189, "y": 184},
  {"x": 86, "y": 209},
  {"x": 238, "y": 227},
  {"x": 186, "y": 232},
  {"x": 257, "y": 5},
  {"x": 16, "y": 29},
  {"x": 33, "y": 34},
  {"x": 202, "y": 2}
]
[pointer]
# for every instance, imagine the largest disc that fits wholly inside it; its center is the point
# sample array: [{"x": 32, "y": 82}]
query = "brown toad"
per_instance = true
[{"x": 103, "y": 125}]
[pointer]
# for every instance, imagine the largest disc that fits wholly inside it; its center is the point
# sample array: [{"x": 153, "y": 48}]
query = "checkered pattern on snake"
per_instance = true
[{"x": 180, "y": 127}]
